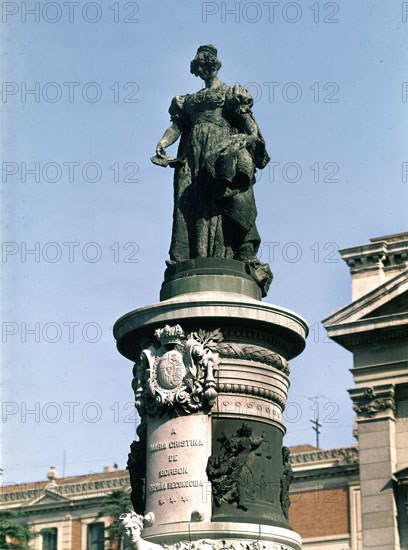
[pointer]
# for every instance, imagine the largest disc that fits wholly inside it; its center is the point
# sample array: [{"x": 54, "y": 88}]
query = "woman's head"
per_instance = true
[
  {"x": 206, "y": 58},
  {"x": 130, "y": 525}
]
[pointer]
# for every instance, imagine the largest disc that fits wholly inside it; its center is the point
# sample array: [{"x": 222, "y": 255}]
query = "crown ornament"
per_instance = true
[{"x": 170, "y": 335}]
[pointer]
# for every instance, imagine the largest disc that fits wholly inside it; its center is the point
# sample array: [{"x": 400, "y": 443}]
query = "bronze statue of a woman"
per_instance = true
[{"x": 220, "y": 148}]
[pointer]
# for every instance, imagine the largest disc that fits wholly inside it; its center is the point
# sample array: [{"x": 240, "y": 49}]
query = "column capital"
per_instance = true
[{"x": 370, "y": 402}]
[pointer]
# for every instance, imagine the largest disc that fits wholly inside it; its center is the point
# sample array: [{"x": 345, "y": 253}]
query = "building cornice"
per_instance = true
[
  {"x": 375, "y": 330},
  {"x": 326, "y": 457},
  {"x": 74, "y": 490},
  {"x": 325, "y": 464},
  {"x": 381, "y": 253}
]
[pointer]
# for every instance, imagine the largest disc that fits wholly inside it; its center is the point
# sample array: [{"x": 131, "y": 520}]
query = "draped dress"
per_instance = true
[{"x": 214, "y": 206}]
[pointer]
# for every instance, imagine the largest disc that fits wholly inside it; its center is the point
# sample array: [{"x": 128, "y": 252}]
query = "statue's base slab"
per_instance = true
[
  {"x": 203, "y": 274},
  {"x": 223, "y": 536}
]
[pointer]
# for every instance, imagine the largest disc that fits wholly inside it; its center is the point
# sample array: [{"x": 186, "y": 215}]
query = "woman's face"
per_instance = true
[
  {"x": 131, "y": 531},
  {"x": 206, "y": 71}
]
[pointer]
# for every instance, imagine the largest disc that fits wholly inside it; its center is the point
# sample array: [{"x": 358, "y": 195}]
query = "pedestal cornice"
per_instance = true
[{"x": 214, "y": 308}]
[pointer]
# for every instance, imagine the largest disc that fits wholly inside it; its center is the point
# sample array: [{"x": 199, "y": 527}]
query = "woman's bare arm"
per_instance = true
[{"x": 170, "y": 136}]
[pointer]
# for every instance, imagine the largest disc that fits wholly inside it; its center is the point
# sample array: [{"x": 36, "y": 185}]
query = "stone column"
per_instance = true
[
  {"x": 211, "y": 378},
  {"x": 375, "y": 410}
]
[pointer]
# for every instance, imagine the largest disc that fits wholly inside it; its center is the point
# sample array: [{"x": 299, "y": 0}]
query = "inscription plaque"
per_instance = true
[{"x": 177, "y": 488}]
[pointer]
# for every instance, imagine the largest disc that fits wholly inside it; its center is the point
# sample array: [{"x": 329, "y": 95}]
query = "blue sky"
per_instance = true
[{"x": 334, "y": 128}]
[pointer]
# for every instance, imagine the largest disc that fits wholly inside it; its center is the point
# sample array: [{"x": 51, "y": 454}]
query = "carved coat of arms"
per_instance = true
[
  {"x": 176, "y": 373},
  {"x": 170, "y": 370}
]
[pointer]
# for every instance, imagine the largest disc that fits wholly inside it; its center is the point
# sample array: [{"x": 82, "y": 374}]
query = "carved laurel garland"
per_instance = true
[
  {"x": 249, "y": 336},
  {"x": 254, "y": 353}
]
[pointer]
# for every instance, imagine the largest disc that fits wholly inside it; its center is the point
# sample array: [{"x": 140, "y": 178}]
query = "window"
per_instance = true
[
  {"x": 96, "y": 536},
  {"x": 49, "y": 539}
]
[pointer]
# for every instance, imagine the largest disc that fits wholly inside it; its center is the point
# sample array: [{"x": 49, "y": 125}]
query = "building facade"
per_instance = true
[
  {"x": 325, "y": 498},
  {"x": 324, "y": 503},
  {"x": 64, "y": 512}
]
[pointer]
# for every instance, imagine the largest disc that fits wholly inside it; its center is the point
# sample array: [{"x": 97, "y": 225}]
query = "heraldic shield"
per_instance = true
[
  {"x": 176, "y": 372},
  {"x": 170, "y": 370}
]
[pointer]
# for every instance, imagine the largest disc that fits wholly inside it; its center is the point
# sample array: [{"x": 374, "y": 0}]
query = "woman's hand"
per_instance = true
[
  {"x": 160, "y": 150},
  {"x": 170, "y": 136}
]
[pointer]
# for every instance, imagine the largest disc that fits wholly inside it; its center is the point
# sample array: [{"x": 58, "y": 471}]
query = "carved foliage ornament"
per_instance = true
[
  {"x": 176, "y": 373},
  {"x": 370, "y": 403}
]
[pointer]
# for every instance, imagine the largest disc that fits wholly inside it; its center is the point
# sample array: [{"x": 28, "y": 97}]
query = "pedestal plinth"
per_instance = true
[{"x": 211, "y": 378}]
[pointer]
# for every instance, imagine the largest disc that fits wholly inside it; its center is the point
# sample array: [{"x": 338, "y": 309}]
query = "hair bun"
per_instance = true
[{"x": 208, "y": 48}]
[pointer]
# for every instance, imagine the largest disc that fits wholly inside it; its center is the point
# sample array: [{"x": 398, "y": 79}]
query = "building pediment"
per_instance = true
[
  {"x": 383, "y": 311},
  {"x": 389, "y": 298},
  {"x": 49, "y": 497}
]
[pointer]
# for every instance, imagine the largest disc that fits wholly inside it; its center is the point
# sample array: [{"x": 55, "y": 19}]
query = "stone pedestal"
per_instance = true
[{"x": 211, "y": 378}]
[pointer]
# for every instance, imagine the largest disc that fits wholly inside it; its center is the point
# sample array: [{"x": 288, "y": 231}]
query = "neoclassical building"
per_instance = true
[
  {"x": 324, "y": 510},
  {"x": 352, "y": 498},
  {"x": 374, "y": 328},
  {"x": 64, "y": 511}
]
